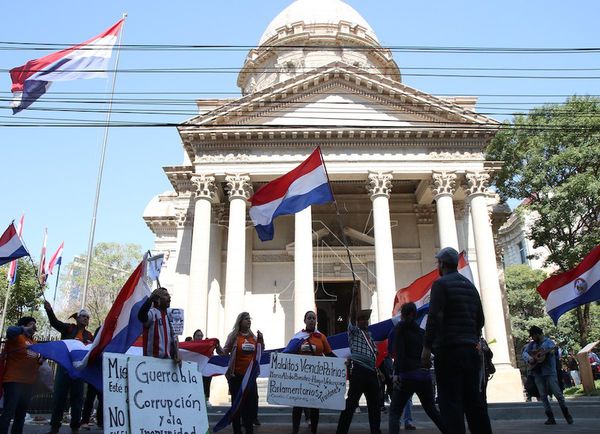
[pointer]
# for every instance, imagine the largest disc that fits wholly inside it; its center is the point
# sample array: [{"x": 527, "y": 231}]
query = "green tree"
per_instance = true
[
  {"x": 25, "y": 294},
  {"x": 552, "y": 157},
  {"x": 112, "y": 264}
]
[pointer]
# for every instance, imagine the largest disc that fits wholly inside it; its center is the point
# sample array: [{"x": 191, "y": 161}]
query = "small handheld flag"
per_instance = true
[
  {"x": 11, "y": 245},
  {"x": 56, "y": 259},
  {"x": 42, "y": 270},
  {"x": 86, "y": 60},
  {"x": 12, "y": 268},
  {"x": 304, "y": 186}
]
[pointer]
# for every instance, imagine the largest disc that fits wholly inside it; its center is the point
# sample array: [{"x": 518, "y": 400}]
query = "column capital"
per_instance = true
[
  {"x": 443, "y": 183},
  {"x": 424, "y": 214},
  {"x": 379, "y": 184},
  {"x": 239, "y": 186},
  {"x": 181, "y": 217},
  {"x": 204, "y": 186},
  {"x": 476, "y": 183}
]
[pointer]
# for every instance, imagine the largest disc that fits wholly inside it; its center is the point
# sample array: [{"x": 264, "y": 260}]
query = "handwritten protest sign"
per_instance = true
[
  {"x": 114, "y": 383},
  {"x": 307, "y": 381},
  {"x": 165, "y": 397}
]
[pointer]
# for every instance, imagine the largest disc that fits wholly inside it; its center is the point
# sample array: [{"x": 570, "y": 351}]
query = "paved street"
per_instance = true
[{"x": 520, "y": 418}]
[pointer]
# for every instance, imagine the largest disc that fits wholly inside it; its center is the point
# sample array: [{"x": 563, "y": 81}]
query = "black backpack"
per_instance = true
[{"x": 488, "y": 355}]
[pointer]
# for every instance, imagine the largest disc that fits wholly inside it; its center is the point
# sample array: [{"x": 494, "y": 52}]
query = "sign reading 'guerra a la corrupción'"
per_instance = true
[
  {"x": 165, "y": 397},
  {"x": 307, "y": 381}
]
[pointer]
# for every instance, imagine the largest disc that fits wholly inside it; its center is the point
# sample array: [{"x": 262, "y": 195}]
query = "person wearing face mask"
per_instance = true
[
  {"x": 20, "y": 374},
  {"x": 308, "y": 342},
  {"x": 241, "y": 347},
  {"x": 63, "y": 384}
]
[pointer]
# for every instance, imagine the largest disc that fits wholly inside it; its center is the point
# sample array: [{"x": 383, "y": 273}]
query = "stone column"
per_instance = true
[
  {"x": 443, "y": 187},
  {"x": 240, "y": 190},
  {"x": 180, "y": 261},
  {"x": 197, "y": 303},
  {"x": 380, "y": 186},
  {"x": 304, "y": 294},
  {"x": 491, "y": 297},
  {"x": 424, "y": 215}
]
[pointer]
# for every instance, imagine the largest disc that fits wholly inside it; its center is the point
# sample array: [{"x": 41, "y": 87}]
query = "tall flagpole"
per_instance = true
[
  {"x": 100, "y": 170},
  {"x": 56, "y": 284},
  {"x": 5, "y": 308}
]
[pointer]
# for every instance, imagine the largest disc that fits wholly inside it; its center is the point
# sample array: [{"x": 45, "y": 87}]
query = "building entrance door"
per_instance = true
[{"x": 333, "y": 305}]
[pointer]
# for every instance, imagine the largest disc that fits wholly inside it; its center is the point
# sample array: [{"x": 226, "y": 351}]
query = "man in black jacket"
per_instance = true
[
  {"x": 409, "y": 376},
  {"x": 63, "y": 384},
  {"x": 453, "y": 329}
]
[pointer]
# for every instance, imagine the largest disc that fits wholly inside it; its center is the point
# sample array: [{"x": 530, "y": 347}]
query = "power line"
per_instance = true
[{"x": 23, "y": 45}]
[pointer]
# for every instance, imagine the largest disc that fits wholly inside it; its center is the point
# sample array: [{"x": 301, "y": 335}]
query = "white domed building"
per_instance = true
[{"x": 407, "y": 169}]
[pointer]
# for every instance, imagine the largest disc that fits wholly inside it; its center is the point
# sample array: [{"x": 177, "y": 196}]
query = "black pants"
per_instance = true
[
  {"x": 249, "y": 407},
  {"x": 457, "y": 375},
  {"x": 16, "y": 402},
  {"x": 88, "y": 406},
  {"x": 297, "y": 416},
  {"x": 401, "y": 395},
  {"x": 63, "y": 386},
  {"x": 365, "y": 381},
  {"x": 206, "y": 384}
]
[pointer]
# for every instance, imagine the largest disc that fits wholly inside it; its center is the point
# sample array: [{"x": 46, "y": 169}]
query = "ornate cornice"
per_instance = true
[
  {"x": 239, "y": 186},
  {"x": 443, "y": 183},
  {"x": 379, "y": 184},
  {"x": 476, "y": 183}
]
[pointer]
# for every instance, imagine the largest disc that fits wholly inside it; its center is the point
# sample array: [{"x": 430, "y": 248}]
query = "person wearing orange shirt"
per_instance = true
[
  {"x": 308, "y": 342},
  {"x": 20, "y": 374},
  {"x": 241, "y": 347}
]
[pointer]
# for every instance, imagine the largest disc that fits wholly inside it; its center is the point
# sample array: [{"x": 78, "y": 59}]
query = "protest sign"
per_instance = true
[
  {"x": 307, "y": 381},
  {"x": 176, "y": 316},
  {"x": 165, "y": 397},
  {"x": 114, "y": 383}
]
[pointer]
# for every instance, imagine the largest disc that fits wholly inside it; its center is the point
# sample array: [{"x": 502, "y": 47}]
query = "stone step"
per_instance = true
[{"x": 579, "y": 408}]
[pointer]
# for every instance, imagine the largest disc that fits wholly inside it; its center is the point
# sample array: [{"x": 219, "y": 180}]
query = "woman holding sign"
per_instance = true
[
  {"x": 241, "y": 347},
  {"x": 308, "y": 342}
]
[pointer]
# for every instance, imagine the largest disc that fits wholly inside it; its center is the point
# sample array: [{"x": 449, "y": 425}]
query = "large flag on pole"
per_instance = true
[
  {"x": 304, "y": 186},
  {"x": 419, "y": 291},
  {"x": 56, "y": 259},
  {"x": 12, "y": 268},
  {"x": 11, "y": 245},
  {"x": 86, "y": 60},
  {"x": 565, "y": 291}
]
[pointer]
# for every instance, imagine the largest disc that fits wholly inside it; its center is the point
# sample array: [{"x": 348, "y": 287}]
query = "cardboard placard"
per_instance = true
[{"x": 307, "y": 381}]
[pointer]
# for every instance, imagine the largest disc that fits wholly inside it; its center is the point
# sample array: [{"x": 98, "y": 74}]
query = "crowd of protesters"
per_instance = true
[{"x": 450, "y": 353}]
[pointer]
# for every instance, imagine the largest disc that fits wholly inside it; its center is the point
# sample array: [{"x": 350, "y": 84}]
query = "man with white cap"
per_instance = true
[
  {"x": 453, "y": 330},
  {"x": 63, "y": 384}
]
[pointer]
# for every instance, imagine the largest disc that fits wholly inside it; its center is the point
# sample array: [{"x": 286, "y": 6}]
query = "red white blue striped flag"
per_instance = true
[
  {"x": 86, "y": 60},
  {"x": 11, "y": 246},
  {"x": 565, "y": 291},
  {"x": 12, "y": 268}
]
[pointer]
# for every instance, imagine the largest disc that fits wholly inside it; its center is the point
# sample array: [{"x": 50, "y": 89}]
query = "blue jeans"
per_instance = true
[
  {"x": 407, "y": 417},
  {"x": 549, "y": 383},
  {"x": 16, "y": 402}
]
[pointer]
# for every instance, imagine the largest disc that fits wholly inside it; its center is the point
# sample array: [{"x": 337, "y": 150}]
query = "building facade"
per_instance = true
[{"x": 407, "y": 169}]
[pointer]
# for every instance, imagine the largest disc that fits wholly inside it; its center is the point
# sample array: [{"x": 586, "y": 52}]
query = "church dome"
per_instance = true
[
  {"x": 311, "y": 34},
  {"x": 316, "y": 12}
]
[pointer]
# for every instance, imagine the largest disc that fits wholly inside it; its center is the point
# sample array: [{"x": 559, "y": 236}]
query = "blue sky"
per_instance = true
[{"x": 50, "y": 173}]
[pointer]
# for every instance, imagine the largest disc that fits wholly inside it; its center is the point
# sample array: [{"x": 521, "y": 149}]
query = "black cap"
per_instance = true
[{"x": 448, "y": 255}]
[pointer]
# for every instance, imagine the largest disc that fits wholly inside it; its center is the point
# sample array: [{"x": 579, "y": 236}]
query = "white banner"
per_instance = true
[
  {"x": 307, "y": 381},
  {"x": 165, "y": 397},
  {"x": 114, "y": 382}
]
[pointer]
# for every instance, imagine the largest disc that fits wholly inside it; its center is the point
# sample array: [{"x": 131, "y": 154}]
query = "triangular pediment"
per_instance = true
[{"x": 340, "y": 95}]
